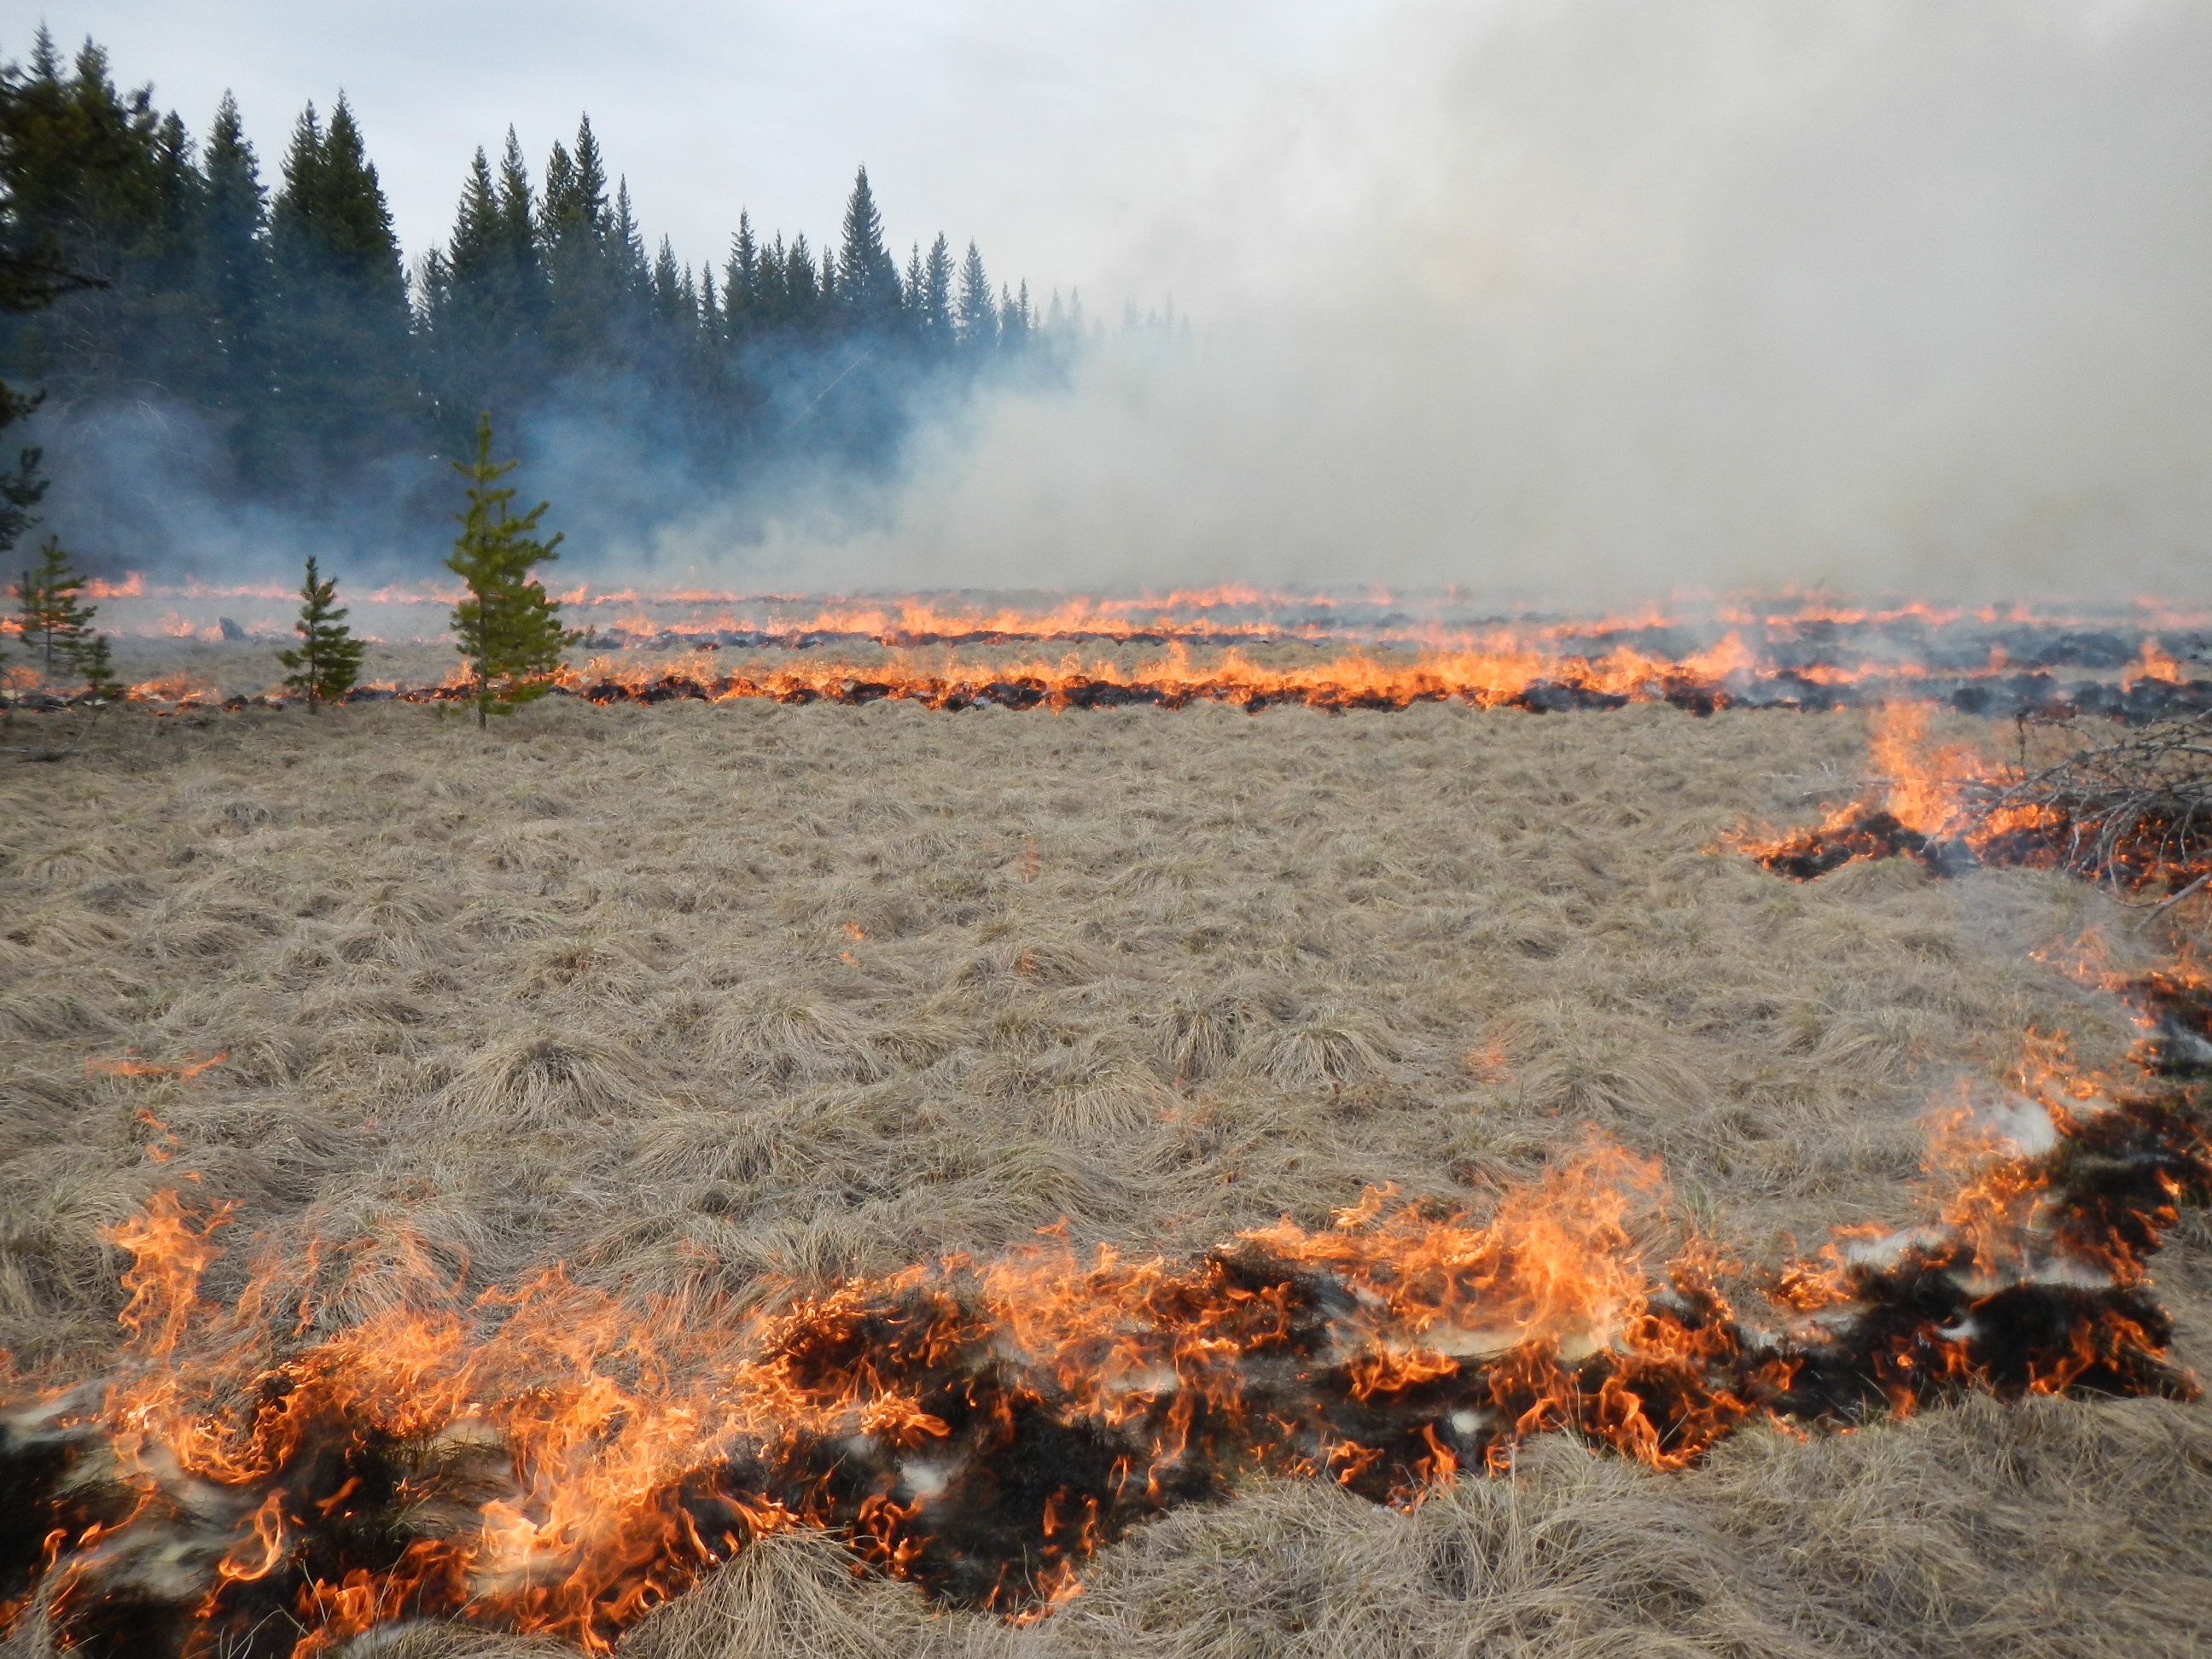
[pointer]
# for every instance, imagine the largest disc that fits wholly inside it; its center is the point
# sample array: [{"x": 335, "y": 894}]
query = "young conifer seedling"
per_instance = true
[
  {"x": 55, "y": 623},
  {"x": 328, "y": 659},
  {"x": 92, "y": 661},
  {"x": 506, "y": 628}
]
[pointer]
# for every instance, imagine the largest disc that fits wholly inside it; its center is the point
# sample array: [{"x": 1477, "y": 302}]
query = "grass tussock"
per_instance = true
[{"x": 696, "y": 1000}]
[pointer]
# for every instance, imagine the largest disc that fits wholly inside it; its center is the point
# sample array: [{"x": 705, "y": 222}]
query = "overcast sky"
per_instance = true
[
  {"x": 1610, "y": 296},
  {"x": 1037, "y": 129}
]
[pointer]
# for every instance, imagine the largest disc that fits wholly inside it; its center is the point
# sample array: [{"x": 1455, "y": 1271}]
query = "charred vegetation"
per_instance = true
[{"x": 788, "y": 1099}]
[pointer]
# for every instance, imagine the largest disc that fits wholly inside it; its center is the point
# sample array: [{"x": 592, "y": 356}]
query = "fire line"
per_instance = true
[{"x": 542, "y": 1459}]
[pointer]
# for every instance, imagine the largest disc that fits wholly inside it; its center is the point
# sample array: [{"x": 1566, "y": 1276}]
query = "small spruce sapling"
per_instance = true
[
  {"x": 506, "y": 628},
  {"x": 93, "y": 662},
  {"x": 328, "y": 660},
  {"x": 55, "y": 623}
]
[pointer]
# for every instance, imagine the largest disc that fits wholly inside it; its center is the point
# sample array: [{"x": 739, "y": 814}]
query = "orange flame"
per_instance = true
[{"x": 582, "y": 1460}]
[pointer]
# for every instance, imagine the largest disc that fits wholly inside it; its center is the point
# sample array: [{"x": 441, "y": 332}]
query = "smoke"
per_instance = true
[
  {"x": 150, "y": 486},
  {"x": 1577, "y": 301},
  {"x": 154, "y": 485},
  {"x": 1583, "y": 299}
]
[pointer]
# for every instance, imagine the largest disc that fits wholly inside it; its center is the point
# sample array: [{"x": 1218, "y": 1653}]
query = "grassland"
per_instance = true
[{"x": 749, "y": 993}]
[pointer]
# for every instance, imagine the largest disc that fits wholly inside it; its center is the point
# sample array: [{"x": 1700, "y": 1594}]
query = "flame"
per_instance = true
[
  {"x": 1924, "y": 782},
  {"x": 1490, "y": 679},
  {"x": 1929, "y": 811},
  {"x": 1796, "y": 641},
  {"x": 547, "y": 1457},
  {"x": 2158, "y": 664},
  {"x": 1379, "y": 651},
  {"x": 176, "y": 688}
]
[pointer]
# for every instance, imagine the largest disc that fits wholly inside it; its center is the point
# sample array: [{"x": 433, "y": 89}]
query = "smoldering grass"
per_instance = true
[{"x": 583, "y": 996}]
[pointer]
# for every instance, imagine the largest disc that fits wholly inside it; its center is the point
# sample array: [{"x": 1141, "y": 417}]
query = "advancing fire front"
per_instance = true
[
  {"x": 1256, "y": 650},
  {"x": 542, "y": 1458}
]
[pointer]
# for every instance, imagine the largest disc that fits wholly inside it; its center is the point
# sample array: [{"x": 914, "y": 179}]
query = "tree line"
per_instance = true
[{"x": 283, "y": 312}]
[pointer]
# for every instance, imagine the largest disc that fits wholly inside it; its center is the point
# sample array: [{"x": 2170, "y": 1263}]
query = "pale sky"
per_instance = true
[
  {"x": 1616, "y": 297},
  {"x": 1036, "y": 129}
]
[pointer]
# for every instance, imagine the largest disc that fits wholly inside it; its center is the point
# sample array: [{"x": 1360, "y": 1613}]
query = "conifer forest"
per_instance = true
[{"x": 248, "y": 331}]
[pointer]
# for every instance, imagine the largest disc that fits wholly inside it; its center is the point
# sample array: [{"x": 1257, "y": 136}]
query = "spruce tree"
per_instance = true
[
  {"x": 233, "y": 267},
  {"x": 33, "y": 272},
  {"x": 933, "y": 306},
  {"x": 672, "y": 302},
  {"x": 977, "y": 319},
  {"x": 97, "y": 669},
  {"x": 357, "y": 224},
  {"x": 342, "y": 361},
  {"x": 633, "y": 272},
  {"x": 867, "y": 279},
  {"x": 771, "y": 285},
  {"x": 1015, "y": 322},
  {"x": 474, "y": 254},
  {"x": 506, "y": 628},
  {"x": 802, "y": 287},
  {"x": 53, "y": 621},
  {"x": 328, "y": 659},
  {"x": 518, "y": 234},
  {"x": 574, "y": 231},
  {"x": 483, "y": 298},
  {"x": 96, "y": 201},
  {"x": 741, "y": 289},
  {"x": 456, "y": 290}
]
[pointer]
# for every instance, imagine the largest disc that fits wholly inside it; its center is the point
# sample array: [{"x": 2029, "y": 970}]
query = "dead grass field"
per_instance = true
[{"x": 750, "y": 992}]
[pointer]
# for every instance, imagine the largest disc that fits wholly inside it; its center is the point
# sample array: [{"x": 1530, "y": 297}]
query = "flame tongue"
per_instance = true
[{"x": 545, "y": 1459}]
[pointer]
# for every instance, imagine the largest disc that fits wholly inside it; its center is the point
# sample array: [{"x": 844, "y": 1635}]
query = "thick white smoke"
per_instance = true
[{"x": 1589, "y": 298}]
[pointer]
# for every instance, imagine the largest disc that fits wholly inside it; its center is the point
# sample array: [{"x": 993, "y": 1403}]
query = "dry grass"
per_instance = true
[{"x": 697, "y": 996}]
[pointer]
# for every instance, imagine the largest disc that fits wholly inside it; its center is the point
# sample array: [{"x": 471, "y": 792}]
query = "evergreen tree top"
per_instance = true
[
  {"x": 478, "y": 227},
  {"x": 303, "y": 162},
  {"x": 332, "y": 218},
  {"x": 516, "y": 205},
  {"x": 229, "y": 132},
  {"x": 232, "y": 171},
  {"x": 575, "y": 200},
  {"x": 628, "y": 241},
  {"x": 866, "y": 277},
  {"x": 591, "y": 170},
  {"x": 79, "y": 156}
]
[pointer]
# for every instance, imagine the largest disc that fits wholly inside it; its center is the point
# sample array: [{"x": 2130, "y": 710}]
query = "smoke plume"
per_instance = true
[{"x": 1588, "y": 300}]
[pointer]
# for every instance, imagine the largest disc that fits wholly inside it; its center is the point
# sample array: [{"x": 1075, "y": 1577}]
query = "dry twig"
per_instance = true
[{"x": 2127, "y": 813}]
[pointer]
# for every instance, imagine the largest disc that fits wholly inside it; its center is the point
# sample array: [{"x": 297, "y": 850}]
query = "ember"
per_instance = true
[{"x": 541, "y": 1458}]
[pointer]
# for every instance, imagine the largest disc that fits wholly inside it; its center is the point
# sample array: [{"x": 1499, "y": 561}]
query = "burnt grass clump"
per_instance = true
[
  {"x": 1809, "y": 854},
  {"x": 1001, "y": 1483},
  {"x": 2135, "y": 813}
]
